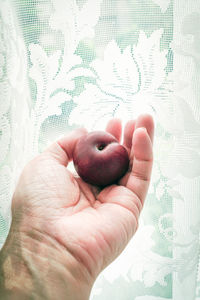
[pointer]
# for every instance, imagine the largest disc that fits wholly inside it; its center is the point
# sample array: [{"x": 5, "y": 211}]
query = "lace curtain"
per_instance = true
[{"x": 71, "y": 63}]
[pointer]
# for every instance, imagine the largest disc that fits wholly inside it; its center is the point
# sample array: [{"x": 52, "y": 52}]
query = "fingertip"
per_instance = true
[
  {"x": 114, "y": 127},
  {"x": 146, "y": 120},
  {"x": 74, "y": 134},
  {"x": 141, "y": 131},
  {"x": 145, "y": 117},
  {"x": 142, "y": 145},
  {"x": 128, "y": 133},
  {"x": 130, "y": 123},
  {"x": 80, "y": 130}
]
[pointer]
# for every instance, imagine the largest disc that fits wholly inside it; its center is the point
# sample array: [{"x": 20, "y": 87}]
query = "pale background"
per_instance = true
[{"x": 67, "y": 63}]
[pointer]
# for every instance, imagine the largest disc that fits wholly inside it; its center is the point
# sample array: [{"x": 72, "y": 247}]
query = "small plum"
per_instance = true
[{"x": 99, "y": 159}]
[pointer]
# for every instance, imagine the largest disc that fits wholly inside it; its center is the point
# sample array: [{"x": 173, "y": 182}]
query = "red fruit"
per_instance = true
[{"x": 99, "y": 159}]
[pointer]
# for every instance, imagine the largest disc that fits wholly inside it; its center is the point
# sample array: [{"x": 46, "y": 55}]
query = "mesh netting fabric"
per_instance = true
[{"x": 67, "y": 63}]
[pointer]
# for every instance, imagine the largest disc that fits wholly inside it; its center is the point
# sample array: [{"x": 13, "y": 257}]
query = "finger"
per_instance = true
[
  {"x": 146, "y": 120},
  {"x": 128, "y": 137},
  {"x": 114, "y": 127},
  {"x": 139, "y": 177},
  {"x": 62, "y": 150},
  {"x": 128, "y": 134}
]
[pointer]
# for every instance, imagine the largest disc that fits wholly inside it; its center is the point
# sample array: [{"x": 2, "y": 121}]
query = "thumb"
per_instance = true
[{"x": 62, "y": 150}]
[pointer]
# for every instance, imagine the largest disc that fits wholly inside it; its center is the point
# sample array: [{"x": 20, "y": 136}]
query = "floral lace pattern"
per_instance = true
[{"x": 84, "y": 62}]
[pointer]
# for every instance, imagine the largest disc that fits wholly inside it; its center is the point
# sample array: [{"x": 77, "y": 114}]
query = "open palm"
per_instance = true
[{"x": 93, "y": 225}]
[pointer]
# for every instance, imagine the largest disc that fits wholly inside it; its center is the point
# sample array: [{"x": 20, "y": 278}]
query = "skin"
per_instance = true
[{"x": 64, "y": 232}]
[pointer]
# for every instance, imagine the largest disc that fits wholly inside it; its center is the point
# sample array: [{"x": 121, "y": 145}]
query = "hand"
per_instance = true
[{"x": 59, "y": 216}]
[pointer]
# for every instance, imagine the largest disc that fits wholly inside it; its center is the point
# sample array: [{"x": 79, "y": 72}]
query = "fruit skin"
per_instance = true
[{"x": 99, "y": 159}]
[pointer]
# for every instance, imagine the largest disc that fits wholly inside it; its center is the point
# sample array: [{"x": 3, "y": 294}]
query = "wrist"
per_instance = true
[
  {"x": 15, "y": 280},
  {"x": 35, "y": 265}
]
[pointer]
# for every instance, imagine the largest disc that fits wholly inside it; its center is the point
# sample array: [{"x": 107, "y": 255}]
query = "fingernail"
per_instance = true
[{"x": 144, "y": 128}]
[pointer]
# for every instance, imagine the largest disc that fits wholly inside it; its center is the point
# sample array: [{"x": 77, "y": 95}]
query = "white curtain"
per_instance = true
[{"x": 70, "y": 63}]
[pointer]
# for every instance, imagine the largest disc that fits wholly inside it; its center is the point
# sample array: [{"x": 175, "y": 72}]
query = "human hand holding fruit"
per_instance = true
[{"x": 66, "y": 227}]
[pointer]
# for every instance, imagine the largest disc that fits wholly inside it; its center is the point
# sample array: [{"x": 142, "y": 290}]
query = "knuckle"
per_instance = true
[{"x": 141, "y": 176}]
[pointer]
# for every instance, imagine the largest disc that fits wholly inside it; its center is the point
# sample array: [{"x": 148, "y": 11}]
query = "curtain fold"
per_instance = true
[{"x": 67, "y": 63}]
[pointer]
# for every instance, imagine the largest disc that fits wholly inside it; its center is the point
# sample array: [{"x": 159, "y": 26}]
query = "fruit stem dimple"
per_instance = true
[{"x": 101, "y": 147}]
